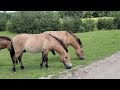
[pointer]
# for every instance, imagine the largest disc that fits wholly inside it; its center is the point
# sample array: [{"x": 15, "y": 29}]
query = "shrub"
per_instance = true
[
  {"x": 3, "y": 20},
  {"x": 73, "y": 25},
  {"x": 116, "y": 22},
  {"x": 105, "y": 24},
  {"x": 89, "y": 25},
  {"x": 33, "y": 22}
]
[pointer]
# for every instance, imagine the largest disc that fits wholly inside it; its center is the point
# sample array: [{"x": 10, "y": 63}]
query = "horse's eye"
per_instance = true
[{"x": 66, "y": 57}]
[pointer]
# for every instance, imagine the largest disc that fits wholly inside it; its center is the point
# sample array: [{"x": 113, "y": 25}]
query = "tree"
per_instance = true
[{"x": 71, "y": 14}]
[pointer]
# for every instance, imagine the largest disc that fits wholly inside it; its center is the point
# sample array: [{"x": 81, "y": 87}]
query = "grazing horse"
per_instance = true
[
  {"x": 5, "y": 42},
  {"x": 35, "y": 43},
  {"x": 69, "y": 39}
]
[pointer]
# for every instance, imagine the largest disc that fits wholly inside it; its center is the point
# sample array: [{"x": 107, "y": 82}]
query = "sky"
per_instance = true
[{"x": 8, "y": 11}]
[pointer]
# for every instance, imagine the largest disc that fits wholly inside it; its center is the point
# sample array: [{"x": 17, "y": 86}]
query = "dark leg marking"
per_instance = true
[{"x": 20, "y": 60}]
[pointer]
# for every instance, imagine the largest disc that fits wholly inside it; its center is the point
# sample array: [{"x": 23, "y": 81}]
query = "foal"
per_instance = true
[
  {"x": 69, "y": 39},
  {"x": 35, "y": 43}
]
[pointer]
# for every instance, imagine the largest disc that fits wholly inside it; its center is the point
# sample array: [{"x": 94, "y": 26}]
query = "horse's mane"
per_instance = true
[
  {"x": 76, "y": 38},
  {"x": 6, "y": 38},
  {"x": 61, "y": 42}
]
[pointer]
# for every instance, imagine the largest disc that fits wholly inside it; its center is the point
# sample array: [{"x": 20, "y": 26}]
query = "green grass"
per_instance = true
[
  {"x": 96, "y": 19},
  {"x": 97, "y": 45}
]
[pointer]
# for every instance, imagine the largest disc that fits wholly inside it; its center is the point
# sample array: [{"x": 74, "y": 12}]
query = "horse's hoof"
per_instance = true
[
  {"x": 14, "y": 70},
  {"x": 82, "y": 58},
  {"x": 41, "y": 66},
  {"x": 46, "y": 66},
  {"x": 22, "y": 67},
  {"x": 16, "y": 62}
]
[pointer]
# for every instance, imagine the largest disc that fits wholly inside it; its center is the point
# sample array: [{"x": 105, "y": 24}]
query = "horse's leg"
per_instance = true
[
  {"x": 12, "y": 54},
  {"x": 53, "y": 52},
  {"x": 45, "y": 55},
  {"x": 43, "y": 60},
  {"x": 14, "y": 58},
  {"x": 46, "y": 58},
  {"x": 20, "y": 61},
  {"x": 16, "y": 61}
]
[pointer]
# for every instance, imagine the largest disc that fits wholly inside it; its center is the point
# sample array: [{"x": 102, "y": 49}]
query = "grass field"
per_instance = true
[{"x": 97, "y": 45}]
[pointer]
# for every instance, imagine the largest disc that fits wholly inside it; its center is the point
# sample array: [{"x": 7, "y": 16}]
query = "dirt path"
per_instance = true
[{"x": 109, "y": 68}]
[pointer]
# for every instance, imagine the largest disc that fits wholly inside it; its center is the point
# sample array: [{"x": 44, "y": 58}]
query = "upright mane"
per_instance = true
[
  {"x": 61, "y": 42},
  {"x": 6, "y": 38},
  {"x": 77, "y": 39}
]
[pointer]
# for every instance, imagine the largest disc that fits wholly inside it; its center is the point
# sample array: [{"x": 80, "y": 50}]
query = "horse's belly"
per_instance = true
[{"x": 33, "y": 48}]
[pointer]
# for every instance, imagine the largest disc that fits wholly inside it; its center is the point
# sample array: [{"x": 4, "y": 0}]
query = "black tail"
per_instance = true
[
  {"x": 12, "y": 52},
  {"x": 53, "y": 52}
]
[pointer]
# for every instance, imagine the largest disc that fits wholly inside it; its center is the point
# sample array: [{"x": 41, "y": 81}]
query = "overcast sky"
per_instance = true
[{"x": 8, "y": 11}]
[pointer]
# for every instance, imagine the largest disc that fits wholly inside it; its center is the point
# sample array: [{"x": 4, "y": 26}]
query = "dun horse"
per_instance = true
[
  {"x": 69, "y": 39},
  {"x": 35, "y": 43},
  {"x": 5, "y": 42}
]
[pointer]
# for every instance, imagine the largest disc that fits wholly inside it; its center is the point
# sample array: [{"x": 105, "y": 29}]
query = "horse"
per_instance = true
[
  {"x": 5, "y": 42},
  {"x": 69, "y": 39},
  {"x": 35, "y": 43}
]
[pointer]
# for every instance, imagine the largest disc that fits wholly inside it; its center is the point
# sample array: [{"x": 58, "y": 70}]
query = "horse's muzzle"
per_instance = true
[
  {"x": 82, "y": 58},
  {"x": 68, "y": 66}
]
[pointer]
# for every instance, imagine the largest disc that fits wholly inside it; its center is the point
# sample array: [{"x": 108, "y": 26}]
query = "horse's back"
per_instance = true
[
  {"x": 31, "y": 42},
  {"x": 59, "y": 34}
]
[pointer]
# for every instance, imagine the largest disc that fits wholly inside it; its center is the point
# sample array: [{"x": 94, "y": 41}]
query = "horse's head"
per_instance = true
[
  {"x": 65, "y": 58},
  {"x": 79, "y": 49},
  {"x": 80, "y": 53}
]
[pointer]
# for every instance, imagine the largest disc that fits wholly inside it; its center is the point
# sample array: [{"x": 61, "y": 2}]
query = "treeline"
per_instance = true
[{"x": 40, "y": 21}]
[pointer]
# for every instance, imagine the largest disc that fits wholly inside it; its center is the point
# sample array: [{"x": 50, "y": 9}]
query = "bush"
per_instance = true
[
  {"x": 89, "y": 25},
  {"x": 105, "y": 24},
  {"x": 73, "y": 25},
  {"x": 116, "y": 22},
  {"x": 33, "y": 22},
  {"x": 3, "y": 20}
]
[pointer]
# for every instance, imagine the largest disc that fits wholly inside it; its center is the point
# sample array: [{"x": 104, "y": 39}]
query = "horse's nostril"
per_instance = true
[
  {"x": 68, "y": 67},
  {"x": 82, "y": 58}
]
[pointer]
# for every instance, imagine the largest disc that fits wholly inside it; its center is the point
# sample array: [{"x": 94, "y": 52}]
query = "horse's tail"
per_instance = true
[
  {"x": 12, "y": 51},
  {"x": 53, "y": 52}
]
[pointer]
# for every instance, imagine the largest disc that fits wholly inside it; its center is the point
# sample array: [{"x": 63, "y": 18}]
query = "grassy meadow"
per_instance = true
[{"x": 97, "y": 45}]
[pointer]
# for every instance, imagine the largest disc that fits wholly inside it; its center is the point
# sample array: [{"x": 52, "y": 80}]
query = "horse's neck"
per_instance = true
[
  {"x": 59, "y": 50},
  {"x": 74, "y": 43}
]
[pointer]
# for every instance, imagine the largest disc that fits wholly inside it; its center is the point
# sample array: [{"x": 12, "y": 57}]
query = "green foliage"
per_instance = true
[
  {"x": 34, "y": 22},
  {"x": 89, "y": 25},
  {"x": 71, "y": 14},
  {"x": 40, "y": 21},
  {"x": 105, "y": 24},
  {"x": 73, "y": 25},
  {"x": 85, "y": 14},
  {"x": 3, "y": 20},
  {"x": 116, "y": 22}
]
